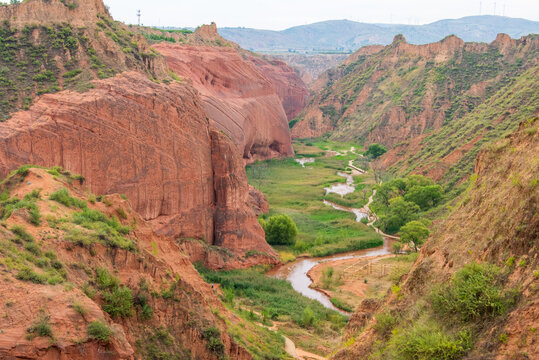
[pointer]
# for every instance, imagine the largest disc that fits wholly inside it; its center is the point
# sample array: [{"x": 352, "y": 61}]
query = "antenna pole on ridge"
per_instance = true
[{"x": 138, "y": 15}]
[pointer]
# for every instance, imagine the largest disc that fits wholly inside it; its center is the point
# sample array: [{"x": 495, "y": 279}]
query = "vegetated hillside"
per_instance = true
[
  {"x": 434, "y": 103},
  {"x": 85, "y": 277},
  {"x": 345, "y": 35},
  {"x": 473, "y": 293},
  {"x": 449, "y": 154},
  {"x": 48, "y": 46}
]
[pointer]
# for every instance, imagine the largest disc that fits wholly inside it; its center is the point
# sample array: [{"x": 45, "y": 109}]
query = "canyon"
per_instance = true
[
  {"x": 413, "y": 98},
  {"x": 142, "y": 170}
]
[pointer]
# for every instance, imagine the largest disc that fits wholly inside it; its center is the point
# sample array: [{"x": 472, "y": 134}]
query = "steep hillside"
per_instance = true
[
  {"x": 473, "y": 293},
  {"x": 399, "y": 94},
  {"x": 48, "y": 46},
  {"x": 86, "y": 277},
  {"x": 448, "y": 155},
  {"x": 345, "y": 35}
]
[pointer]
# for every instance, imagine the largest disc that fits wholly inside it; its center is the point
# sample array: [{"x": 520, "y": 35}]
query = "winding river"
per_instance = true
[{"x": 296, "y": 272}]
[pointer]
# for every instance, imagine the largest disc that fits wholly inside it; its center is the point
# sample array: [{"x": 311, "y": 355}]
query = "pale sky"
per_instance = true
[{"x": 282, "y": 14}]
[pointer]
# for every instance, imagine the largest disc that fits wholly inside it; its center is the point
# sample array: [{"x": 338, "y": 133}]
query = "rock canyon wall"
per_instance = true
[{"x": 148, "y": 141}]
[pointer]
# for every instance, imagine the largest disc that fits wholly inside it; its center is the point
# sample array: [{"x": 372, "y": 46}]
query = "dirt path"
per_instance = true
[
  {"x": 290, "y": 346},
  {"x": 374, "y": 217}
]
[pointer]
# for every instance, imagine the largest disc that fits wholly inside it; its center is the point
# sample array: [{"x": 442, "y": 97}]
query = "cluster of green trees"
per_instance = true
[
  {"x": 375, "y": 150},
  {"x": 400, "y": 204}
]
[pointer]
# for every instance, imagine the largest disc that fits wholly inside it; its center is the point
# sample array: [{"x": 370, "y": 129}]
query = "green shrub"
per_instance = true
[
  {"x": 212, "y": 335},
  {"x": 21, "y": 233},
  {"x": 35, "y": 216},
  {"x": 146, "y": 312},
  {"x": 33, "y": 248},
  {"x": 27, "y": 274},
  {"x": 281, "y": 230},
  {"x": 71, "y": 74},
  {"x": 105, "y": 280},
  {"x": 79, "y": 309},
  {"x": 62, "y": 196},
  {"x": 89, "y": 290},
  {"x": 427, "y": 343},
  {"x": 41, "y": 328},
  {"x": 308, "y": 317},
  {"x": 375, "y": 150},
  {"x": 97, "y": 330},
  {"x": 385, "y": 322},
  {"x": 118, "y": 302},
  {"x": 474, "y": 292}
]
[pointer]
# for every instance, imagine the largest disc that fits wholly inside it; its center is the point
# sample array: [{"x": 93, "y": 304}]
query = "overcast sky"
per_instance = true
[{"x": 281, "y": 14}]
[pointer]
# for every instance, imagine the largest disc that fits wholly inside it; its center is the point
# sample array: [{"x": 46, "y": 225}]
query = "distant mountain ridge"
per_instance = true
[{"x": 346, "y": 35}]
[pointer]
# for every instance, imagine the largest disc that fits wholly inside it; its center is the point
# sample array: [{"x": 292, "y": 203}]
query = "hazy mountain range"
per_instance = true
[{"x": 346, "y": 35}]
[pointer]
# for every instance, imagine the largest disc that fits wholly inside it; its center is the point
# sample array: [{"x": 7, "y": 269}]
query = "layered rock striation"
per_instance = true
[
  {"x": 151, "y": 142},
  {"x": 236, "y": 96}
]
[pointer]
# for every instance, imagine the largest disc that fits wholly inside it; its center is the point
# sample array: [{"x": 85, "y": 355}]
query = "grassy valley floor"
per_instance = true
[
  {"x": 273, "y": 310},
  {"x": 299, "y": 192},
  {"x": 268, "y": 302}
]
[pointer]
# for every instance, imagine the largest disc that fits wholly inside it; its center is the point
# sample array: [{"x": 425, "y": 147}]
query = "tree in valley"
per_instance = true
[
  {"x": 415, "y": 233},
  {"x": 280, "y": 230},
  {"x": 375, "y": 150}
]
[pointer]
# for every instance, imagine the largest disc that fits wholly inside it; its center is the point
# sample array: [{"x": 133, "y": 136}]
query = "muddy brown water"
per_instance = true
[{"x": 296, "y": 272}]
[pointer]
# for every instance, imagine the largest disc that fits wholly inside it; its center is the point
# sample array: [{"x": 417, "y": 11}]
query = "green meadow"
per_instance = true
[{"x": 299, "y": 192}]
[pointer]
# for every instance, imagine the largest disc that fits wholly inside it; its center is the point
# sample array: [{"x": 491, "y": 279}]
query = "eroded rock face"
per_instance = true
[
  {"x": 289, "y": 86},
  {"x": 150, "y": 142},
  {"x": 238, "y": 98},
  {"x": 53, "y": 12}
]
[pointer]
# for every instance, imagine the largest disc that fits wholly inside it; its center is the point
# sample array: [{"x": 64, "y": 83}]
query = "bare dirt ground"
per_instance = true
[{"x": 354, "y": 280}]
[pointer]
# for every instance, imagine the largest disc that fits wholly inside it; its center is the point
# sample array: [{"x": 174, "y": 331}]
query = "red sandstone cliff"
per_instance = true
[
  {"x": 288, "y": 85},
  {"x": 151, "y": 142},
  {"x": 237, "y": 97}
]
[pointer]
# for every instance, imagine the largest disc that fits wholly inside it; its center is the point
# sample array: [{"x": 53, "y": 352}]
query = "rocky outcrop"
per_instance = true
[
  {"x": 75, "y": 12},
  {"x": 150, "y": 142},
  {"x": 237, "y": 97}
]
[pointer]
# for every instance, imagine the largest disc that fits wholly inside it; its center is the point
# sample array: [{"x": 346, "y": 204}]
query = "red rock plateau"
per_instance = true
[
  {"x": 151, "y": 142},
  {"x": 246, "y": 97}
]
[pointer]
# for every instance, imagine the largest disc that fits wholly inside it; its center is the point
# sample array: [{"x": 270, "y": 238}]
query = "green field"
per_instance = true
[
  {"x": 299, "y": 192},
  {"x": 262, "y": 299}
]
